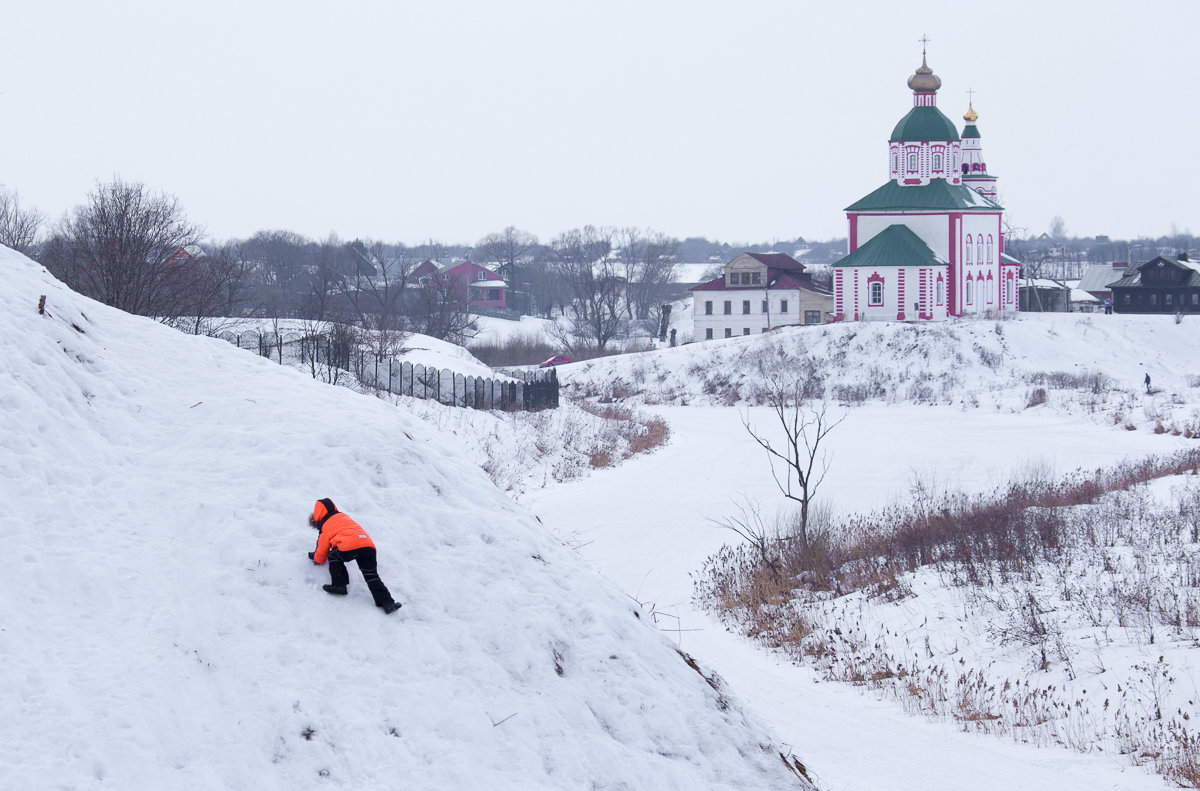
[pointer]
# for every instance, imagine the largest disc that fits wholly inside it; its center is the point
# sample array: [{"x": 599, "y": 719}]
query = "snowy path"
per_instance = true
[{"x": 646, "y": 526}]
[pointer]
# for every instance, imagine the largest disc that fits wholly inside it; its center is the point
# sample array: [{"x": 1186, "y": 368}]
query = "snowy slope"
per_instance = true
[
  {"x": 1085, "y": 362},
  {"x": 162, "y": 628}
]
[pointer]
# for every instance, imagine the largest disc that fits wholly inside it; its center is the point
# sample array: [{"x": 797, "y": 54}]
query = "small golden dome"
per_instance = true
[
  {"x": 970, "y": 116},
  {"x": 925, "y": 81}
]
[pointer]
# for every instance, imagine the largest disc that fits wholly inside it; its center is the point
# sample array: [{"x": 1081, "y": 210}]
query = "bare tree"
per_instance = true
[
  {"x": 129, "y": 248},
  {"x": 584, "y": 260},
  {"x": 443, "y": 311},
  {"x": 805, "y": 425},
  {"x": 18, "y": 227},
  {"x": 214, "y": 287},
  {"x": 382, "y": 283},
  {"x": 507, "y": 248},
  {"x": 648, "y": 258}
]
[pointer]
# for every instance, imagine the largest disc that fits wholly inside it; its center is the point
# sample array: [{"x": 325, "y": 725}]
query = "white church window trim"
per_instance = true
[{"x": 875, "y": 290}]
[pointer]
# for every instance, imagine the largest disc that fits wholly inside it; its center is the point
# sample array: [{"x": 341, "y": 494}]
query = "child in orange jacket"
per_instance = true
[{"x": 341, "y": 540}]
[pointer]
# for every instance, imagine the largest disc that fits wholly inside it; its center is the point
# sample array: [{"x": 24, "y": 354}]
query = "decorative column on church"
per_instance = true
[{"x": 900, "y": 286}]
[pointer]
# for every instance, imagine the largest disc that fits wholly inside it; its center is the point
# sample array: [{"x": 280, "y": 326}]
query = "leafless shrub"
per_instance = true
[
  {"x": 1090, "y": 381},
  {"x": 522, "y": 349}
]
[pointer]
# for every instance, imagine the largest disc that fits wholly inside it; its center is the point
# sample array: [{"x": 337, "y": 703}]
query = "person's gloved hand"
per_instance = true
[{"x": 310, "y": 555}]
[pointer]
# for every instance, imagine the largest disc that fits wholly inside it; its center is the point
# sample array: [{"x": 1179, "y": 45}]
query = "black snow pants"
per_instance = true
[{"x": 365, "y": 558}]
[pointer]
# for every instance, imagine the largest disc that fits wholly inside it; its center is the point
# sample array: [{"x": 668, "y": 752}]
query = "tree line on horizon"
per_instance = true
[{"x": 136, "y": 249}]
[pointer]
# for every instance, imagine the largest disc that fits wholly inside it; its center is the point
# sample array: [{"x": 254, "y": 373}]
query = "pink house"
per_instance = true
[{"x": 485, "y": 289}]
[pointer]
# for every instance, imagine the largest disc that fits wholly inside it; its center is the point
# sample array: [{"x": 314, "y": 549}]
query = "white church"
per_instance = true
[{"x": 928, "y": 244}]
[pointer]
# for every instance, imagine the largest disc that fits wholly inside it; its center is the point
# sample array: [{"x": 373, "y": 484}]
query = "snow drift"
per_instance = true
[{"x": 162, "y": 626}]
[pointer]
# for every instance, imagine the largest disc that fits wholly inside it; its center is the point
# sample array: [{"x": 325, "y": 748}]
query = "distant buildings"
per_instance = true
[
  {"x": 1161, "y": 285},
  {"x": 483, "y": 288}
]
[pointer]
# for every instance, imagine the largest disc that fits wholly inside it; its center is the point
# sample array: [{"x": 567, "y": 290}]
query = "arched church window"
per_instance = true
[
  {"x": 989, "y": 249},
  {"x": 937, "y": 161},
  {"x": 970, "y": 241},
  {"x": 970, "y": 290},
  {"x": 979, "y": 250},
  {"x": 912, "y": 163},
  {"x": 941, "y": 291}
]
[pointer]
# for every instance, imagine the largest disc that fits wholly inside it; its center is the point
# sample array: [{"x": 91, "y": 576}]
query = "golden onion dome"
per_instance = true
[
  {"x": 970, "y": 116},
  {"x": 924, "y": 80}
]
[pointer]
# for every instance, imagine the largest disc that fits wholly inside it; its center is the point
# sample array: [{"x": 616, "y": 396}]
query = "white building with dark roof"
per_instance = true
[{"x": 758, "y": 292}]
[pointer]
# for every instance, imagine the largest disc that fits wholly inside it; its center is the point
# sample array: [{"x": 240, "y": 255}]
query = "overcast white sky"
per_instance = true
[{"x": 749, "y": 121}]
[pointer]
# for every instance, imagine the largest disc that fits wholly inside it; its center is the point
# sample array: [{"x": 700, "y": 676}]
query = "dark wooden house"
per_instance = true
[{"x": 1162, "y": 285}]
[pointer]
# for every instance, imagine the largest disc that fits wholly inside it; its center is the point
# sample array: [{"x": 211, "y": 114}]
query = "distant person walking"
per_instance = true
[
  {"x": 342, "y": 540},
  {"x": 1147, "y": 384}
]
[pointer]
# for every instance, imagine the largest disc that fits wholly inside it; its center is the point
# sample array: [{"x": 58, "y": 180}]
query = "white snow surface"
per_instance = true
[{"x": 162, "y": 626}]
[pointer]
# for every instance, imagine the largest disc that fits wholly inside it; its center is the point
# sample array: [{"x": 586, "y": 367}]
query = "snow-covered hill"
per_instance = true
[
  {"x": 1079, "y": 362},
  {"x": 161, "y": 626}
]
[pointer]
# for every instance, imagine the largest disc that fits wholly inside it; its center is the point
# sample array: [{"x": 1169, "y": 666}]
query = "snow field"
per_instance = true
[{"x": 162, "y": 626}]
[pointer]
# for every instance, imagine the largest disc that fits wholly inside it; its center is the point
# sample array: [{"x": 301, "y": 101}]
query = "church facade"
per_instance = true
[{"x": 927, "y": 245}]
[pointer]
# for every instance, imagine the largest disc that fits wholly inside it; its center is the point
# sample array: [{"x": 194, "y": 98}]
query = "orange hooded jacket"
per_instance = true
[{"x": 337, "y": 530}]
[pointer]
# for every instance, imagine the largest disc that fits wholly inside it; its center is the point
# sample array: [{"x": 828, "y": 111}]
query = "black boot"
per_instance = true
[
  {"x": 336, "y": 590},
  {"x": 390, "y": 607}
]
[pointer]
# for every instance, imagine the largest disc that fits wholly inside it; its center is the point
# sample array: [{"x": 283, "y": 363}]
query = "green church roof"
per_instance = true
[
  {"x": 970, "y": 131},
  {"x": 937, "y": 195},
  {"x": 895, "y": 245},
  {"x": 924, "y": 123}
]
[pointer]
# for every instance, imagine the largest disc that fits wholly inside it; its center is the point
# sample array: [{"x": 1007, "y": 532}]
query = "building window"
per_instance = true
[
  {"x": 708, "y": 334},
  {"x": 912, "y": 163},
  {"x": 783, "y": 306},
  {"x": 812, "y": 317},
  {"x": 1127, "y": 299},
  {"x": 1196, "y": 299},
  {"x": 876, "y": 293},
  {"x": 745, "y": 330},
  {"x": 708, "y": 307},
  {"x": 970, "y": 241},
  {"x": 745, "y": 306},
  {"x": 991, "y": 291},
  {"x": 728, "y": 307},
  {"x": 728, "y": 333},
  {"x": 937, "y": 161},
  {"x": 1154, "y": 299},
  {"x": 979, "y": 250},
  {"x": 941, "y": 291},
  {"x": 481, "y": 276},
  {"x": 756, "y": 277},
  {"x": 1167, "y": 298},
  {"x": 970, "y": 291},
  {"x": 989, "y": 249},
  {"x": 765, "y": 306},
  {"x": 493, "y": 295}
]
